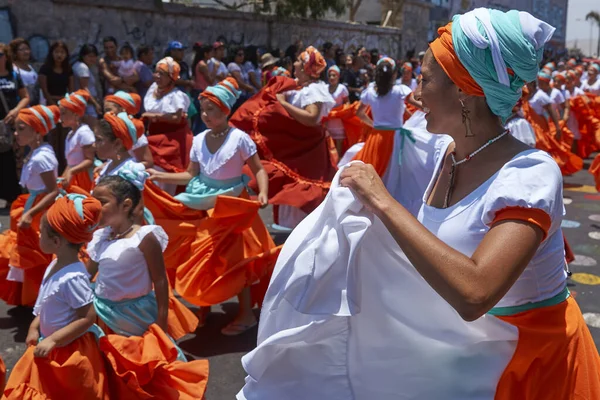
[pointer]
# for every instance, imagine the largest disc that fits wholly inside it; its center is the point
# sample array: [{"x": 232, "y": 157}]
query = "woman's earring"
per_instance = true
[
  {"x": 466, "y": 120},
  {"x": 118, "y": 157}
]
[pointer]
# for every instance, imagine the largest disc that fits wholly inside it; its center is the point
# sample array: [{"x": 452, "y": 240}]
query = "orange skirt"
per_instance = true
[
  {"x": 146, "y": 367},
  {"x": 75, "y": 371},
  {"x": 555, "y": 356},
  {"x": 83, "y": 180},
  {"x": 378, "y": 150},
  {"x": 2, "y": 375},
  {"x": 20, "y": 248},
  {"x": 233, "y": 250}
]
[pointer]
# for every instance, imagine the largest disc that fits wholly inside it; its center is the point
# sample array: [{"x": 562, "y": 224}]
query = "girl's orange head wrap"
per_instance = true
[
  {"x": 41, "y": 118},
  {"x": 126, "y": 128},
  {"x": 443, "y": 51},
  {"x": 75, "y": 217},
  {"x": 131, "y": 102},
  {"x": 313, "y": 61},
  {"x": 76, "y": 102}
]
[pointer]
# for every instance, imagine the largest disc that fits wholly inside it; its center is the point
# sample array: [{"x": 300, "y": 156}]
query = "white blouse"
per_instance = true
[
  {"x": 340, "y": 94},
  {"x": 388, "y": 110},
  {"x": 227, "y": 162},
  {"x": 316, "y": 92},
  {"x": 42, "y": 160},
  {"x": 104, "y": 171},
  {"x": 538, "y": 101},
  {"x": 141, "y": 142},
  {"x": 530, "y": 180},
  {"x": 522, "y": 130},
  {"x": 169, "y": 103},
  {"x": 122, "y": 269},
  {"x": 75, "y": 143},
  {"x": 593, "y": 89},
  {"x": 61, "y": 295}
]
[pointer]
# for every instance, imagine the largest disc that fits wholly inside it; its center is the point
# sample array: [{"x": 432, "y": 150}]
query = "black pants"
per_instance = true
[{"x": 9, "y": 184}]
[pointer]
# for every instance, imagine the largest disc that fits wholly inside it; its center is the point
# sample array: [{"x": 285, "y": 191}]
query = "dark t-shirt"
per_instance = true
[
  {"x": 352, "y": 79},
  {"x": 10, "y": 85},
  {"x": 58, "y": 84}
]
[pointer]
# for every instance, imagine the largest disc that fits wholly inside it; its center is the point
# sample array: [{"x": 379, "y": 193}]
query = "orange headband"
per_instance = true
[
  {"x": 75, "y": 217},
  {"x": 41, "y": 118},
  {"x": 125, "y": 100},
  {"x": 76, "y": 102},
  {"x": 125, "y": 130},
  {"x": 443, "y": 51}
]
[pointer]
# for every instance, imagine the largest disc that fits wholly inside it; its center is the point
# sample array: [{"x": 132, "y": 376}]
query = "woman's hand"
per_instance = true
[
  {"x": 25, "y": 221},
  {"x": 366, "y": 185},
  {"x": 263, "y": 199},
  {"x": 154, "y": 175},
  {"x": 33, "y": 336},
  {"x": 67, "y": 176},
  {"x": 44, "y": 347},
  {"x": 11, "y": 116},
  {"x": 280, "y": 97}
]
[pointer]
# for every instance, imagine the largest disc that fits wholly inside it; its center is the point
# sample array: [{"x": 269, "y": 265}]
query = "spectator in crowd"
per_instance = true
[
  {"x": 13, "y": 98},
  {"x": 203, "y": 78},
  {"x": 267, "y": 64},
  {"x": 56, "y": 79},
  {"x": 143, "y": 68},
  {"x": 375, "y": 56},
  {"x": 354, "y": 78},
  {"x": 251, "y": 67},
  {"x": 176, "y": 50},
  {"x": 216, "y": 66},
  {"x": 108, "y": 66},
  {"x": 292, "y": 52},
  {"x": 340, "y": 58},
  {"x": 21, "y": 56},
  {"x": 126, "y": 68},
  {"x": 288, "y": 64},
  {"x": 86, "y": 78},
  {"x": 329, "y": 54},
  {"x": 236, "y": 70},
  {"x": 418, "y": 68}
]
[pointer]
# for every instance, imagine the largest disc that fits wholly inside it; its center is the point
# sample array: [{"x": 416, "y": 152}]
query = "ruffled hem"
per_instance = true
[
  {"x": 146, "y": 367},
  {"x": 233, "y": 250},
  {"x": 53, "y": 377},
  {"x": 181, "y": 320}
]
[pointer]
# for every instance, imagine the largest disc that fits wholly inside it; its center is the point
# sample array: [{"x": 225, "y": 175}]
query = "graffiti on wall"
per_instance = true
[{"x": 6, "y": 26}]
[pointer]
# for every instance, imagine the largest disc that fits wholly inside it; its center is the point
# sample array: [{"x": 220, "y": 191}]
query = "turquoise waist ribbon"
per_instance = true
[
  {"x": 404, "y": 134},
  {"x": 95, "y": 329},
  {"x": 512, "y": 310},
  {"x": 201, "y": 193},
  {"x": 33, "y": 194},
  {"x": 131, "y": 317}
]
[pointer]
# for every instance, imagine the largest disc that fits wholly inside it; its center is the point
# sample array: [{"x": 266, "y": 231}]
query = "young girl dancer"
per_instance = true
[
  {"x": 61, "y": 345},
  {"x": 79, "y": 144},
  {"x": 130, "y": 103},
  {"x": 132, "y": 300},
  {"x": 340, "y": 94},
  {"x": 22, "y": 263},
  {"x": 233, "y": 249}
]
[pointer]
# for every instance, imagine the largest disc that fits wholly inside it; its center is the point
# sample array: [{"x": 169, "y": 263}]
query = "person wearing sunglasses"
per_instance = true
[{"x": 240, "y": 74}]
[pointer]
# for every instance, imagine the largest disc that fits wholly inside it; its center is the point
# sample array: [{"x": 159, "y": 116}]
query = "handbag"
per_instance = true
[{"x": 6, "y": 132}]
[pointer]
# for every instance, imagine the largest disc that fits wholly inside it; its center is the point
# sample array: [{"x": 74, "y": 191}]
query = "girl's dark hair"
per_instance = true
[
  {"x": 291, "y": 51},
  {"x": 199, "y": 55},
  {"x": 143, "y": 50},
  {"x": 49, "y": 62},
  {"x": 87, "y": 49},
  {"x": 339, "y": 54},
  {"x": 127, "y": 46},
  {"x": 233, "y": 52},
  {"x": 122, "y": 189},
  {"x": 384, "y": 78},
  {"x": 250, "y": 55},
  {"x": 284, "y": 62},
  {"x": 14, "y": 47},
  {"x": 105, "y": 130}
]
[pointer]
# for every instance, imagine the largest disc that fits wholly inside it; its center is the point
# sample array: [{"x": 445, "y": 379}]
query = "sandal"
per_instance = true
[{"x": 234, "y": 329}]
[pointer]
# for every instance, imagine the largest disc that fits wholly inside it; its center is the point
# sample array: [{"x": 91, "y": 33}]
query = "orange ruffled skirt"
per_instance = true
[
  {"x": 75, "y": 371},
  {"x": 146, "y": 367},
  {"x": 555, "y": 356},
  {"x": 232, "y": 250},
  {"x": 378, "y": 150},
  {"x": 83, "y": 181},
  {"x": 20, "y": 248}
]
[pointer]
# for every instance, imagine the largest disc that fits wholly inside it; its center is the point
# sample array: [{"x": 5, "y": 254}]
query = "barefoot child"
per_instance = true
[{"x": 63, "y": 358}]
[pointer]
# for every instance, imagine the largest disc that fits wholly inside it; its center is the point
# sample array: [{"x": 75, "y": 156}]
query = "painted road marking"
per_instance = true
[
  {"x": 586, "y": 279},
  {"x": 592, "y": 319},
  {"x": 567, "y": 223},
  {"x": 583, "y": 189}
]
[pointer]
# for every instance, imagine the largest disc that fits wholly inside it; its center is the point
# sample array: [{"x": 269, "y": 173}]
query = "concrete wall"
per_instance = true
[{"x": 139, "y": 22}]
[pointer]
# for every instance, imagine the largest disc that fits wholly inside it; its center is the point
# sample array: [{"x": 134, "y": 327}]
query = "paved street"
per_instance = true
[{"x": 581, "y": 226}]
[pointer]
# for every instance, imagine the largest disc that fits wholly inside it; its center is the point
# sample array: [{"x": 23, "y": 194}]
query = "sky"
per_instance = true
[{"x": 578, "y": 28}]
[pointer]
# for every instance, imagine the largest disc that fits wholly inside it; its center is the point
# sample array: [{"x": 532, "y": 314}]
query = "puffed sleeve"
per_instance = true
[
  {"x": 366, "y": 97},
  {"x": 247, "y": 146},
  {"x": 528, "y": 188},
  {"x": 77, "y": 292},
  {"x": 86, "y": 136},
  {"x": 196, "y": 146},
  {"x": 44, "y": 162}
]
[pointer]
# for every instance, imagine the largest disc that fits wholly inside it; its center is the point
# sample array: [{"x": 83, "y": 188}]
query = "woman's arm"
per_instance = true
[
  {"x": 24, "y": 102},
  {"x": 152, "y": 251},
  {"x": 33, "y": 334},
  {"x": 243, "y": 85},
  {"x": 308, "y": 116},
  {"x": 71, "y": 84},
  {"x": 177, "y": 178},
  {"x": 261, "y": 177},
  {"x": 362, "y": 115},
  {"x": 202, "y": 68},
  {"x": 89, "y": 152},
  {"x": 43, "y": 80},
  {"x": 567, "y": 110},
  {"x": 144, "y": 155},
  {"x": 174, "y": 118},
  {"x": 554, "y": 116},
  {"x": 412, "y": 101},
  {"x": 86, "y": 318},
  {"x": 471, "y": 285},
  {"x": 254, "y": 80},
  {"x": 52, "y": 191}
]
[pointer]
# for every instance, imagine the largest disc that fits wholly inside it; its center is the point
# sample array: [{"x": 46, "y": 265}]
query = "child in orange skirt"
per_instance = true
[
  {"x": 63, "y": 358},
  {"x": 130, "y": 103},
  {"x": 132, "y": 301},
  {"x": 22, "y": 263},
  {"x": 233, "y": 249},
  {"x": 79, "y": 144}
]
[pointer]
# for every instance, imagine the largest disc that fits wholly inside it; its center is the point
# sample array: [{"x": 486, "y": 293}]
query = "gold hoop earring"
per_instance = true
[{"x": 466, "y": 119}]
